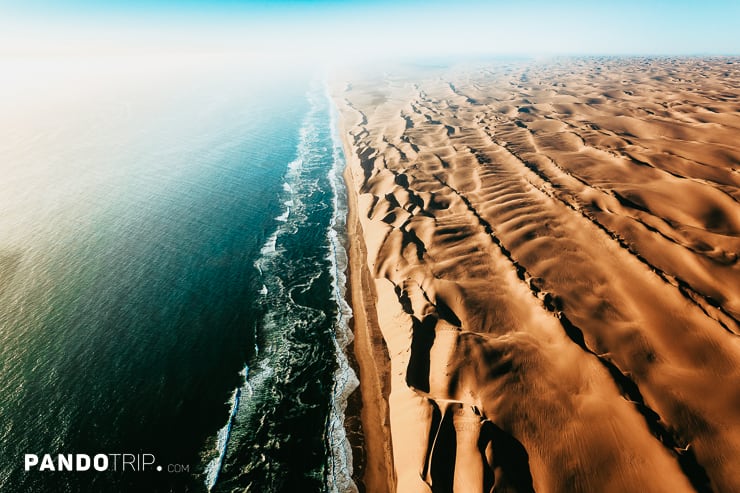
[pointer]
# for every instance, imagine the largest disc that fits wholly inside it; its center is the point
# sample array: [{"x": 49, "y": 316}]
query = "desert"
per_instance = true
[{"x": 544, "y": 273}]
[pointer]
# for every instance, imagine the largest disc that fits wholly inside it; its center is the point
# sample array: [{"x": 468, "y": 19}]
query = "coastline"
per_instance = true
[
  {"x": 318, "y": 128},
  {"x": 345, "y": 376},
  {"x": 369, "y": 355}
]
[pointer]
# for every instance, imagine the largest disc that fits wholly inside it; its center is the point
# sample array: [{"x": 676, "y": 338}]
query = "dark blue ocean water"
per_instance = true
[{"x": 169, "y": 279}]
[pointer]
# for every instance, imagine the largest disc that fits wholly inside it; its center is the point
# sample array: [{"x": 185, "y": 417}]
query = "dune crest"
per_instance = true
[{"x": 544, "y": 268}]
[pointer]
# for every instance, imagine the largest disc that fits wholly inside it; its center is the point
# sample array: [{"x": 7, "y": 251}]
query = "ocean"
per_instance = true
[{"x": 172, "y": 259}]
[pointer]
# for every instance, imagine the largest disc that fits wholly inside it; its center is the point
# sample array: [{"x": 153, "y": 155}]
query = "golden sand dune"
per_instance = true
[{"x": 545, "y": 275}]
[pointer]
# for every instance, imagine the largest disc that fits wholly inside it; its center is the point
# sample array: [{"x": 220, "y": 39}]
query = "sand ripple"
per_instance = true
[{"x": 550, "y": 253}]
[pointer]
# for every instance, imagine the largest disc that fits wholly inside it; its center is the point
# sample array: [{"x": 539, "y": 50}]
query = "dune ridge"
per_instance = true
[{"x": 549, "y": 251}]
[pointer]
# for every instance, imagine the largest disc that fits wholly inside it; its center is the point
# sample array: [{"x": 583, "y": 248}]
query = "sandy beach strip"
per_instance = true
[{"x": 370, "y": 358}]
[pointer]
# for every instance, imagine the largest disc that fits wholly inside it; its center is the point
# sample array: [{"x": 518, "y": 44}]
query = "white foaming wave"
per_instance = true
[
  {"x": 345, "y": 380},
  {"x": 263, "y": 371},
  {"x": 303, "y": 287},
  {"x": 308, "y": 156},
  {"x": 284, "y": 216},
  {"x": 306, "y": 143},
  {"x": 292, "y": 204},
  {"x": 270, "y": 246},
  {"x": 222, "y": 438}
]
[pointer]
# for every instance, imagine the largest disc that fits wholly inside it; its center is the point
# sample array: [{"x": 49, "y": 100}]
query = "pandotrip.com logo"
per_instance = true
[{"x": 119, "y": 462}]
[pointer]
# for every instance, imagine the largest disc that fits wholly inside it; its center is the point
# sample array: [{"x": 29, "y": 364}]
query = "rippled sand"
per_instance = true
[{"x": 545, "y": 274}]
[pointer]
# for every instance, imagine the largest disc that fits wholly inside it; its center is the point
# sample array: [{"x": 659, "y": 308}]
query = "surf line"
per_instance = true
[
  {"x": 269, "y": 249},
  {"x": 214, "y": 467},
  {"x": 345, "y": 380}
]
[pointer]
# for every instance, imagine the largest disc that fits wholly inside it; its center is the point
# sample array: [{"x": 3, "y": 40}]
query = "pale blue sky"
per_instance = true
[{"x": 374, "y": 28}]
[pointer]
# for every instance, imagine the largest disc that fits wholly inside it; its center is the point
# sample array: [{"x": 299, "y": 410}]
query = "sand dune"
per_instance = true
[{"x": 545, "y": 255}]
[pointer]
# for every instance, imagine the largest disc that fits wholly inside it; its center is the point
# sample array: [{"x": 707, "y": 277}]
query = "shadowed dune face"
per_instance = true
[{"x": 553, "y": 250}]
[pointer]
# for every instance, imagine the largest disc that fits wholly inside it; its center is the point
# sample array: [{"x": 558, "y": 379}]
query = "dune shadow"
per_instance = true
[
  {"x": 510, "y": 457},
  {"x": 417, "y": 373},
  {"x": 443, "y": 456}
]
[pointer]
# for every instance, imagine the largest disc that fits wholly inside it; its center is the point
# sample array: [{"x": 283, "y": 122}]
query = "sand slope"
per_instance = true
[{"x": 550, "y": 252}]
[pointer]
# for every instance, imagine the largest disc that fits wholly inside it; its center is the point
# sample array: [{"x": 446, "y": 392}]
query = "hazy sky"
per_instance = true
[{"x": 334, "y": 28}]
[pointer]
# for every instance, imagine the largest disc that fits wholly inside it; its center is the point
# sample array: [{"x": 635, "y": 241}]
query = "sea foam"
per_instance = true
[{"x": 345, "y": 380}]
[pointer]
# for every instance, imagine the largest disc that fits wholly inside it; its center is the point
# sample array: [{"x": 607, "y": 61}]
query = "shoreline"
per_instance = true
[
  {"x": 345, "y": 376},
  {"x": 369, "y": 355}
]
